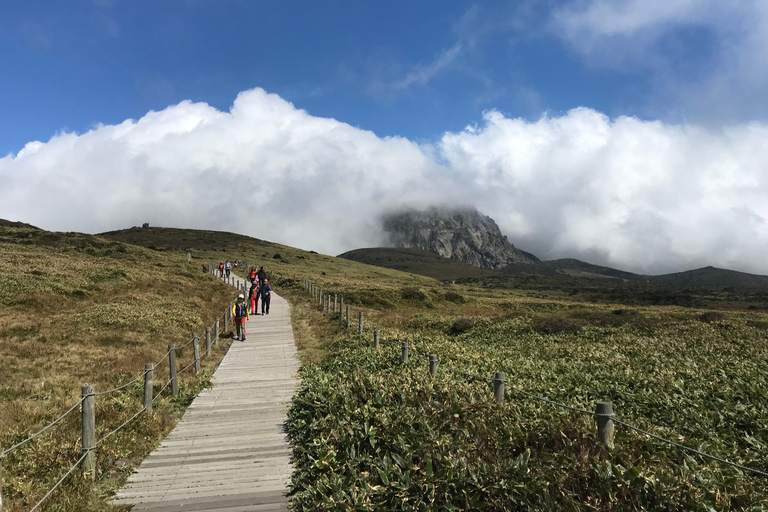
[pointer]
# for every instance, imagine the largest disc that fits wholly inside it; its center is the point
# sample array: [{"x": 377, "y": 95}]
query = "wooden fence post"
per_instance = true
[
  {"x": 334, "y": 302},
  {"x": 88, "y": 438},
  {"x": 172, "y": 371},
  {"x": 148, "y": 371},
  {"x": 605, "y": 430},
  {"x": 341, "y": 310},
  {"x": 376, "y": 339},
  {"x": 208, "y": 341},
  {"x": 405, "y": 351},
  {"x": 226, "y": 319},
  {"x": 216, "y": 331},
  {"x": 347, "y": 316},
  {"x": 360, "y": 324},
  {"x": 432, "y": 364},
  {"x": 196, "y": 353},
  {"x": 498, "y": 386},
  {"x": 320, "y": 297}
]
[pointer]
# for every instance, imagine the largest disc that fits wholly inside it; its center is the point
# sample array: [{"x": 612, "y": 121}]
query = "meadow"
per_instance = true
[
  {"x": 81, "y": 310},
  {"x": 372, "y": 433}
]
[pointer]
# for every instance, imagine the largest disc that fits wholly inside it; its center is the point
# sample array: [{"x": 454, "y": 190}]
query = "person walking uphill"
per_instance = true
[
  {"x": 240, "y": 314},
  {"x": 261, "y": 274},
  {"x": 253, "y": 297},
  {"x": 228, "y": 267},
  {"x": 266, "y": 295}
]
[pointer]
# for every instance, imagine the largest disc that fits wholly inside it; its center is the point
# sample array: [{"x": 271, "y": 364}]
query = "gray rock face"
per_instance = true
[{"x": 465, "y": 235}]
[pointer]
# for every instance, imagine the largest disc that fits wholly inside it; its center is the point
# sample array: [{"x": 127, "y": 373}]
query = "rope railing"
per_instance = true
[
  {"x": 41, "y": 431},
  {"x": 88, "y": 407},
  {"x": 605, "y": 419},
  {"x": 611, "y": 417},
  {"x": 119, "y": 388},
  {"x": 118, "y": 429},
  {"x": 57, "y": 484}
]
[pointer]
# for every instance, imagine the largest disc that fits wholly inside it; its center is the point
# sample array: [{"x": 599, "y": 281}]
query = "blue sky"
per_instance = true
[
  {"x": 631, "y": 133},
  {"x": 70, "y": 65}
]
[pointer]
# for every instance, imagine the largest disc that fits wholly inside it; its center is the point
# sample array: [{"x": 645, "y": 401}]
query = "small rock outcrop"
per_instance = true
[{"x": 464, "y": 234}]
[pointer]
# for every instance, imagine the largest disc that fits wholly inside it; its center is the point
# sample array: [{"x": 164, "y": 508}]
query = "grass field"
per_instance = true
[
  {"x": 75, "y": 310},
  {"x": 373, "y": 434}
]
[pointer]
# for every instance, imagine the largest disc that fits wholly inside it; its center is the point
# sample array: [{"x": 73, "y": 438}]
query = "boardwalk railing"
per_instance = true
[
  {"x": 87, "y": 405},
  {"x": 604, "y": 415}
]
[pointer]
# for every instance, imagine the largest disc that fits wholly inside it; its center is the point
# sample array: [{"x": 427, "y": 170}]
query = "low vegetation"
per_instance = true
[
  {"x": 376, "y": 434},
  {"x": 75, "y": 310},
  {"x": 372, "y": 433}
]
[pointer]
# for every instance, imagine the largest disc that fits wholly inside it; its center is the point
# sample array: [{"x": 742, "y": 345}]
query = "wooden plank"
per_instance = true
[{"x": 229, "y": 452}]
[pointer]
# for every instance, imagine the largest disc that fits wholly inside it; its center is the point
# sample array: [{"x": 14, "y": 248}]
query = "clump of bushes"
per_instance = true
[
  {"x": 462, "y": 325},
  {"x": 454, "y": 297},
  {"x": 710, "y": 317},
  {"x": 556, "y": 325}
]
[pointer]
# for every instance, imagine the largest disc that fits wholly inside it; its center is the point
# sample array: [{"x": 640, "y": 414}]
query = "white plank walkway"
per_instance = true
[{"x": 229, "y": 452}]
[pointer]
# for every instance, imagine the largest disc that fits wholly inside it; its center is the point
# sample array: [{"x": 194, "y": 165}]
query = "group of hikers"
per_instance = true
[
  {"x": 225, "y": 267},
  {"x": 260, "y": 289}
]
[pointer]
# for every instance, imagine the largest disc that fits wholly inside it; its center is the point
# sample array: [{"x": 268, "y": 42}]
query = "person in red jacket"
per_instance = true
[{"x": 253, "y": 297}]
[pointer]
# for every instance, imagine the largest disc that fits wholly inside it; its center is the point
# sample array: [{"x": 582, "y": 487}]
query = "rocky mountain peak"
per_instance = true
[{"x": 462, "y": 234}]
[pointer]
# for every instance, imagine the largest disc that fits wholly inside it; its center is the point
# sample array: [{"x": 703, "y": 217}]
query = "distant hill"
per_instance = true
[
  {"x": 563, "y": 273},
  {"x": 11, "y": 224},
  {"x": 462, "y": 234},
  {"x": 418, "y": 261}
]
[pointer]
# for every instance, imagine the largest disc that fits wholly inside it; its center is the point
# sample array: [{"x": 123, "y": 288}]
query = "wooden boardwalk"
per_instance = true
[{"x": 229, "y": 452}]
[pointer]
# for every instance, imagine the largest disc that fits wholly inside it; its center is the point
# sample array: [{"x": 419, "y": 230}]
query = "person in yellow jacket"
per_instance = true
[{"x": 240, "y": 314}]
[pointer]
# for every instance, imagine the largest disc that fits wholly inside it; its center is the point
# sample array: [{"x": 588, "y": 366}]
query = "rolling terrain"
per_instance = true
[
  {"x": 374, "y": 433},
  {"x": 706, "y": 287}
]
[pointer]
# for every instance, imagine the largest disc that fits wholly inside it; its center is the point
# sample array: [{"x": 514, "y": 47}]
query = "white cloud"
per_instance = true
[
  {"x": 709, "y": 58},
  {"x": 422, "y": 74},
  {"x": 634, "y": 194}
]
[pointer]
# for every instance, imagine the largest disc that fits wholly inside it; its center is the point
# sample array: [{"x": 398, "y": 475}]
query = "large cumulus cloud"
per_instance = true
[{"x": 635, "y": 194}]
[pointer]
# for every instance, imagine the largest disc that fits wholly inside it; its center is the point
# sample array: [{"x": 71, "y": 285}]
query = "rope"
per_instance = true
[
  {"x": 186, "y": 367},
  {"x": 552, "y": 402},
  {"x": 100, "y": 441},
  {"x": 137, "y": 379},
  {"x": 615, "y": 420},
  {"x": 54, "y": 422},
  {"x": 692, "y": 450},
  {"x": 167, "y": 353},
  {"x": 82, "y": 458},
  {"x": 187, "y": 343},
  {"x": 161, "y": 391}
]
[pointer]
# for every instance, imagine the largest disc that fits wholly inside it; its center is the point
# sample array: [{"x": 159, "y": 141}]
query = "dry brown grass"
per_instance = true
[{"x": 76, "y": 310}]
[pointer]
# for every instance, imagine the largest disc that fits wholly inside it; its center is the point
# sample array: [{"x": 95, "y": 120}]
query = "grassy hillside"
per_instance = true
[
  {"x": 373, "y": 434},
  {"x": 418, "y": 261},
  {"x": 577, "y": 280},
  {"x": 75, "y": 310}
]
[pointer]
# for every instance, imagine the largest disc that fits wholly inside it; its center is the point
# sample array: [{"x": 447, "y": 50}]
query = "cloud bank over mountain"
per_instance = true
[{"x": 640, "y": 195}]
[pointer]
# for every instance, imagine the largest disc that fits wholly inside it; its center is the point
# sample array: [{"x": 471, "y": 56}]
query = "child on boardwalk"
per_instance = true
[
  {"x": 240, "y": 314},
  {"x": 266, "y": 295}
]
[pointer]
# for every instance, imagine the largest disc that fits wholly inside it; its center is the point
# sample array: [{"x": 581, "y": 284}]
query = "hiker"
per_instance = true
[
  {"x": 253, "y": 296},
  {"x": 266, "y": 295},
  {"x": 221, "y": 269},
  {"x": 240, "y": 314},
  {"x": 261, "y": 274},
  {"x": 254, "y": 275},
  {"x": 227, "y": 267}
]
